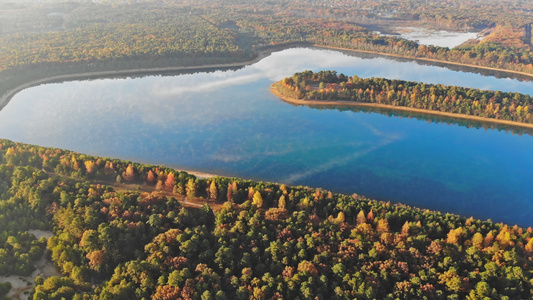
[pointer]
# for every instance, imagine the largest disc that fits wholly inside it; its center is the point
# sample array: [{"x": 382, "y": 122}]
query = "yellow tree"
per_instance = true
[
  {"x": 159, "y": 185},
  {"x": 405, "y": 228},
  {"x": 529, "y": 245},
  {"x": 455, "y": 235},
  {"x": 213, "y": 192},
  {"x": 340, "y": 218},
  {"x": 257, "y": 199},
  {"x": 361, "y": 218},
  {"x": 477, "y": 240},
  {"x": 283, "y": 188},
  {"x": 74, "y": 164},
  {"x": 383, "y": 226},
  {"x": 281, "y": 202},
  {"x": 89, "y": 166},
  {"x": 129, "y": 174}
]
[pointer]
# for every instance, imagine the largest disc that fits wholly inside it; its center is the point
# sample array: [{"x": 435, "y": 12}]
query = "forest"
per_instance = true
[
  {"x": 124, "y": 230},
  {"x": 330, "y": 86},
  {"x": 42, "y": 40}
]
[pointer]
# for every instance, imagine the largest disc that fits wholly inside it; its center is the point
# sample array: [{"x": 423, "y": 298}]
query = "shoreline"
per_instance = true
[
  {"x": 201, "y": 175},
  {"x": 5, "y": 98},
  {"x": 429, "y": 60},
  {"x": 297, "y": 102}
]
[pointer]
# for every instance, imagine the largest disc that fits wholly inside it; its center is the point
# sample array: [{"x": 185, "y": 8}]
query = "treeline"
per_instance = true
[
  {"x": 501, "y": 49},
  {"x": 448, "y": 14},
  {"x": 328, "y": 85},
  {"x": 488, "y": 54},
  {"x": 103, "y": 37},
  {"x": 267, "y": 241},
  {"x": 181, "y": 37},
  {"x": 82, "y": 37}
]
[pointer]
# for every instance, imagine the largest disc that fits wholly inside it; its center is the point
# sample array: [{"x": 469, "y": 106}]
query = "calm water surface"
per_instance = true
[{"x": 227, "y": 122}]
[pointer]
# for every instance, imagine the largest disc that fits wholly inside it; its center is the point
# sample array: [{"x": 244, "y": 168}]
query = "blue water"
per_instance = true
[{"x": 227, "y": 122}]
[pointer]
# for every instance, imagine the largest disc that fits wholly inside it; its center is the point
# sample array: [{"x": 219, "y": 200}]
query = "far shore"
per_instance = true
[
  {"x": 5, "y": 98},
  {"x": 446, "y": 62},
  {"x": 274, "y": 90}
]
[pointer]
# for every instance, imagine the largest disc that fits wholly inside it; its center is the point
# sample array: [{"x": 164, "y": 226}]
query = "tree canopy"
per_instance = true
[
  {"x": 111, "y": 241},
  {"x": 330, "y": 86}
]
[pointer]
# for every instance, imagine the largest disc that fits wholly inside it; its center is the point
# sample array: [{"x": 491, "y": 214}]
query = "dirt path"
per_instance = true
[
  {"x": 22, "y": 285},
  {"x": 187, "y": 202}
]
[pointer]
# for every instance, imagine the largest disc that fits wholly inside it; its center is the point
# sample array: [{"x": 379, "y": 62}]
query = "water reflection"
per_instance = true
[
  {"x": 228, "y": 122},
  {"x": 476, "y": 124}
]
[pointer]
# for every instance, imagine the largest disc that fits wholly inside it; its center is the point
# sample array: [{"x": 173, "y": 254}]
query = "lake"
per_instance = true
[{"x": 228, "y": 123}]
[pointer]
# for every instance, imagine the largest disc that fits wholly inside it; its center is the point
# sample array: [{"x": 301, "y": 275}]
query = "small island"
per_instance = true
[{"x": 332, "y": 89}]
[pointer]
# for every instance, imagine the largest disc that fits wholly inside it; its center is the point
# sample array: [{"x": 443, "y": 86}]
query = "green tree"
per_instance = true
[{"x": 191, "y": 188}]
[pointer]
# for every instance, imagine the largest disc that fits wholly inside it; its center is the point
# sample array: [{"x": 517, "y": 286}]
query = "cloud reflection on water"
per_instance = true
[{"x": 228, "y": 121}]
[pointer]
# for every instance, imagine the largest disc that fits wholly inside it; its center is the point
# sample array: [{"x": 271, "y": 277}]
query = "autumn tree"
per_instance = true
[
  {"x": 257, "y": 199},
  {"x": 159, "y": 186},
  {"x": 109, "y": 169},
  {"x": 405, "y": 229},
  {"x": 477, "y": 240},
  {"x": 129, "y": 174},
  {"x": 251, "y": 193},
  {"x": 529, "y": 245},
  {"x": 370, "y": 216},
  {"x": 281, "y": 202},
  {"x": 213, "y": 191},
  {"x": 96, "y": 259},
  {"x": 150, "y": 177},
  {"x": 361, "y": 218},
  {"x": 170, "y": 182},
  {"x": 488, "y": 240},
  {"x": 382, "y": 226},
  {"x": 89, "y": 166}
]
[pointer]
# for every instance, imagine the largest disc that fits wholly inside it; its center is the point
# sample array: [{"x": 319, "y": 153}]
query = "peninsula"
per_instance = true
[
  {"x": 331, "y": 89},
  {"x": 124, "y": 230}
]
